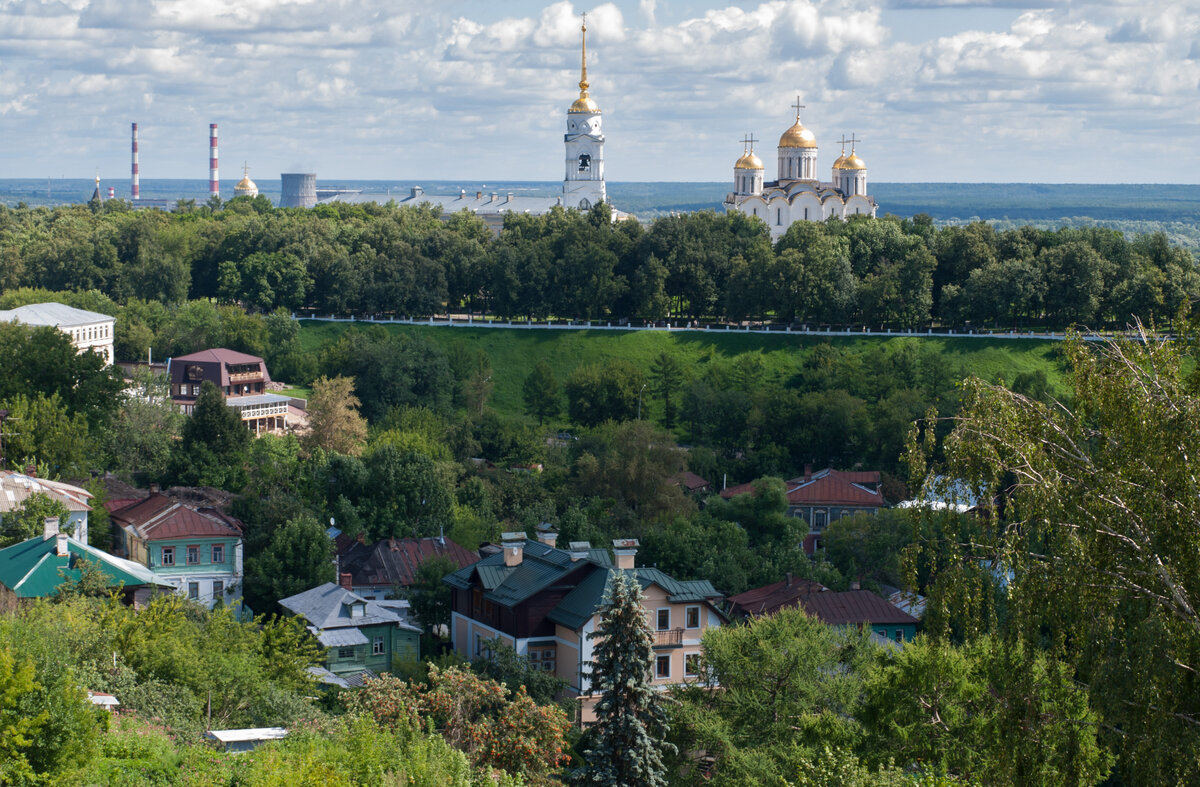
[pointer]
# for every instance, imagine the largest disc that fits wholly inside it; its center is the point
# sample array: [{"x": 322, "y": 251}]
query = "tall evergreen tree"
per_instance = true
[
  {"x": 627, "y": 740},
  {"x": 541, "y": 392}
]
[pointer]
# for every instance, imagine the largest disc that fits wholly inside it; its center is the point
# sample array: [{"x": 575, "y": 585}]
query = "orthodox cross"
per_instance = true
[
  {"x": 749, "y": 140},
  {"x": 798, "y": 107}
]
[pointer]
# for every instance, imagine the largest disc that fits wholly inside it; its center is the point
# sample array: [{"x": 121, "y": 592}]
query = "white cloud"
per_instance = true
[{"x": 429, "y": 89}]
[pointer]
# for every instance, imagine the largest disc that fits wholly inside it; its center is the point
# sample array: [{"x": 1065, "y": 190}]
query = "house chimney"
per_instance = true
[
  {"x": 479, "y": 195},
  {"x": 579, "y": 550},
  {"x": 807, "y": 473},
  {"x": 788, "y": 581},
  {"x": 392, "y": 545},
  {"x": 361, "y": 538},
  {"x": 508, "y": 197},
  {"x": 31, "y": 471},
  {"x": 346, "y": 580},
  {"x": 49, "y": 527},
  {"x": 625, "y": 549},
  {"x": 60, "y": 544},
  {"x": 514, "y": 547},
  {"x": 153, "y": 490},
  {"x": 548, "y": 537}
]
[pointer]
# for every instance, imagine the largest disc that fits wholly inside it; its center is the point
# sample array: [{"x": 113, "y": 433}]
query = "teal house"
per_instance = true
[
  {"x": 197, "y": 551},
  {"x": 361, "y": 636}
]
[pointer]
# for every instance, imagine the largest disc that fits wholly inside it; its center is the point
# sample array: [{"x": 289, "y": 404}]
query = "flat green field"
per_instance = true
[{"x": 513, "y": 352}]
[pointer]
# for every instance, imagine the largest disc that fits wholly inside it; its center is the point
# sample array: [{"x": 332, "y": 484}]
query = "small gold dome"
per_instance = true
[
  {"x": 840, "y": 161},
  {"x": 245, "y": 184},
  {"x": 850, "y": 162},
  {"x": 798, "y": 137},
  {"x": 749, "y": 161},
  {"x": 584, "y": 104}
]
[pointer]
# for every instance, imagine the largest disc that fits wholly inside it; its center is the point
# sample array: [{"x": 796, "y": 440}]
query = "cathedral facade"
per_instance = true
[{"x": 797, "y": 193}]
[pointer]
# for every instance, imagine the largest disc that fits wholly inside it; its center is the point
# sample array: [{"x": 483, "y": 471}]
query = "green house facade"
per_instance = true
[
  {"x": 359, "y": 634},
  {"x": 198, "y": 551}
]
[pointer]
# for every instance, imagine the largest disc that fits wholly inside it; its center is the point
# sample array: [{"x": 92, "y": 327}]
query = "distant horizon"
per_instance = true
[{"x": 932, "y": 91}]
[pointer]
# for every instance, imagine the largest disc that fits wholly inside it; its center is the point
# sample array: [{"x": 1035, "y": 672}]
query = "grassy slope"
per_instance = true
[{"x": 513, "y": 353}]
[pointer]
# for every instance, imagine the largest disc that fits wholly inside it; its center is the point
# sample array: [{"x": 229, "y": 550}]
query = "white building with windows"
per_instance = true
[
  {"x": 88, "y": 330},
  {"x": 797, "y": 193}
]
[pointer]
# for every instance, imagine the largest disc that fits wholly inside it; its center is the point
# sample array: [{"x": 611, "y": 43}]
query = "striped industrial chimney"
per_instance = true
[
  {"x": 135, "y": 188},
  {"x": 214, "y": 185}
]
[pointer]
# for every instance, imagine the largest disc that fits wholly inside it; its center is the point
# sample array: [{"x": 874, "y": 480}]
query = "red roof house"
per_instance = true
[
  {"x": 375, "y": 571},
  {"x": 825, "y": 496}
]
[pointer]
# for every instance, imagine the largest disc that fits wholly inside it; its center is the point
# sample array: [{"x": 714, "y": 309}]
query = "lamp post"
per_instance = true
[{"x": 640, "y": 400}]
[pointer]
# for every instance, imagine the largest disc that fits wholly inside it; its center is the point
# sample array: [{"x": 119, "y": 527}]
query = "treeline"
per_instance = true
[{"x": 384, "y": 259}]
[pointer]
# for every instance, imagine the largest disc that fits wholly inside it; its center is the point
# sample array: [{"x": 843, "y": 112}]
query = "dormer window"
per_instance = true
[{"x": 357, "y": 609}]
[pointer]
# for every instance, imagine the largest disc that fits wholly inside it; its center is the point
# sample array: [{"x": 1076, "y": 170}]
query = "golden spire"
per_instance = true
[
  {"x": 583, "y": 83},
  {"x": 584, "y": 103}
]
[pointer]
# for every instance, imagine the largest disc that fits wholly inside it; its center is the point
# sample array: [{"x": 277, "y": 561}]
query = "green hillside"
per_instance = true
[{"x": 514, "y": 352}]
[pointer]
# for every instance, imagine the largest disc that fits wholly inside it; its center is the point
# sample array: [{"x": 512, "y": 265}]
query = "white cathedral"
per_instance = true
[{"x": 797, "y": 194}]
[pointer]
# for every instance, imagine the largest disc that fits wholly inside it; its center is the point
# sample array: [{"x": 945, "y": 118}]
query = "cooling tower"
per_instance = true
[{"x": 299, "y": 190}]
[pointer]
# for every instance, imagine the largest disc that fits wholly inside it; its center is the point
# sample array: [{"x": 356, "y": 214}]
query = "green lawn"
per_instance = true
[{"x": 513, "y": 352}]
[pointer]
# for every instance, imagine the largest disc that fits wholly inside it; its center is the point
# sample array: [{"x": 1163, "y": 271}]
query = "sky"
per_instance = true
[{"x": 477, "y": 90}]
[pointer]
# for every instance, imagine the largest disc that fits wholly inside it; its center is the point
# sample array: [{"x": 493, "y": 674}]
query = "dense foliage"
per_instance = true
[{"x": 373, "y": 259}]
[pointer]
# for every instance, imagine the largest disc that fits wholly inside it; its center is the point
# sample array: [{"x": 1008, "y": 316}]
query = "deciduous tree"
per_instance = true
[{"x": 333, "y": 420}]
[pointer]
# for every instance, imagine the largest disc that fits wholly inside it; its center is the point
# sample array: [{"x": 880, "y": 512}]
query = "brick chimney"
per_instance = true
[
  {"x": 31, "y": 471},
  {"x": 579, "y": 550},
  {"x": 346, "y": 580},
  {"x": 60, "y": 544},
  {"x": 547, "y": 536},
  {"x": 514, "y": 547},
  {"x": 807, "y": 473},
  {"x": 625, "y": 549},
  {"x": 49, "y": 527}
]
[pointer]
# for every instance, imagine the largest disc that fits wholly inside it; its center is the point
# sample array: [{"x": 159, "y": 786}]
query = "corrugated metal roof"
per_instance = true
[
  {"x": 395, "y": 561},
  {"x": 33, "y": 569},
  {"x": 327, "y": 607},
  {"x": 769, "y": 598},
  {"x": 853, "y": 607},
  {"x": 158, "y": 518},
  {"x": 588, "y": 596},
  {"x": 54, "y": 315},
  {"x": 342, "y": 638},
  {"x": 15, "y": 488}
]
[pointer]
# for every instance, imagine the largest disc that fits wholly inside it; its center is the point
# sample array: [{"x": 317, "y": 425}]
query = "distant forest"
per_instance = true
[{"x": 383, "y": 259}]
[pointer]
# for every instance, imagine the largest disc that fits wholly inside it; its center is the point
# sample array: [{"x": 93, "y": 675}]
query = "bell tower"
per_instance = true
[{"x": 583, "y": 186}]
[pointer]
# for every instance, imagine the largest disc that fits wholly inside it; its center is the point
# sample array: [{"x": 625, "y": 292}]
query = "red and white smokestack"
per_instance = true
[
  {"x": 112, "y": 192},
  {"x": 135, "y": 188},
  {"x": 214, "y": 185}
]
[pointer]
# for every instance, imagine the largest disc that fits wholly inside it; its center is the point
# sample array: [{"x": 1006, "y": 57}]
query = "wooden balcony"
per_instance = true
[
  {"x": 671, "y": 638},
  {"x": 246, "y": 377}
]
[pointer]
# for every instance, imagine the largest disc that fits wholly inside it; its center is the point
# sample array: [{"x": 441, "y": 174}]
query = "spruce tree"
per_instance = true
[{"x": 626, "y": 742}]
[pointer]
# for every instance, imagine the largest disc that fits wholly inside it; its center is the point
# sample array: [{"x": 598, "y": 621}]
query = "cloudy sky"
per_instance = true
[{"x": 938, "y": 90}]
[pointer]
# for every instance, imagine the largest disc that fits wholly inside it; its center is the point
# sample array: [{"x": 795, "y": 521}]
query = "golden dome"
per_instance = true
[
  {"x": 749, "y": 161},
  {"x": 245, "y": 184},
  {"x": 584, "y": 104},
  {"x": 798, "y": 137},
  {"x": 850, "y": 162}
]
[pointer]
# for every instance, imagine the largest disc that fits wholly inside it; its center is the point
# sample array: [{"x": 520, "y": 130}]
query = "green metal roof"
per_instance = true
[
  {"x": 578, "y": 606},
  {"x": 542, "y": 567},
  {"x": 31, "y": 569}
]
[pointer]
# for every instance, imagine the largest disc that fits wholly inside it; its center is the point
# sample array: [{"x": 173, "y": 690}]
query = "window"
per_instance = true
[
  {"x": 899, "y": 635},
  {"x": 693, "y": 617},
  {"x": 691, "y": 665},
  {"x": 778, "y": 216},
  {"x": 547, "y": 666},
  {"x": 478, "y": 645},
  {"x": 806, "y": 214},
  {"x": 662, "y": 667},
  {"x": 377, "y": 646},
  {"x": 664, "y": 619},
  {"x": 193, "y": 555},
  {"x": 820, "y": 518},
  {"x": 534, "y": 655},
  {"x": 218, "y": 553},
  {"x": 345, "y": 653},
  {"x": 168, "y": 556},
  {"x": 194, "y": 591},
  {"x": 218, "y": 589}
]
